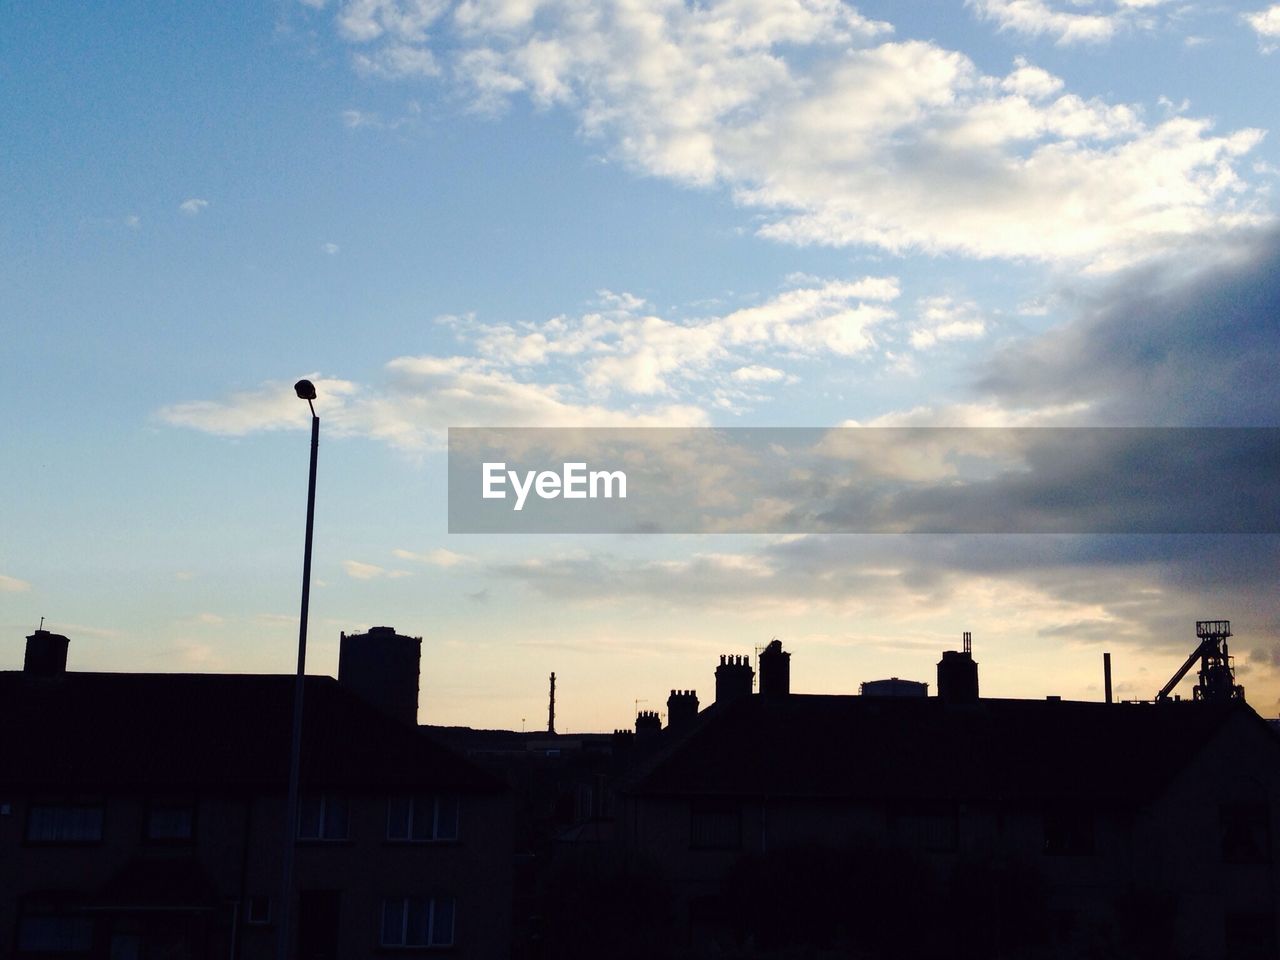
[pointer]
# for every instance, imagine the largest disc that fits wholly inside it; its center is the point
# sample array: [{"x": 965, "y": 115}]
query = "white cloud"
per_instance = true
[
  {"x": 13, "y": 585},
  {"x": 330, "y": 248},
  {"x": 757, "y": 373},
  {"x": 359, "y": 570},
  {"x": 1070, "y": 21},
  {"x": 133, "y": 221},
  {"x": 942, "y": 318},
  {"x": 1266, "y": 23},
  {"x": 440, "y": 557},
  {"x": 802, "y": 111},
  {"x": 1038, "y": 17},
  {"x": 193, "y": 206}
]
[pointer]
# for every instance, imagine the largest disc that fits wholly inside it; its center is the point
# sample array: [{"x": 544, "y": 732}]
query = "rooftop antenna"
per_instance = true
[
  {"x": 41, "y": 627},
  {"x": 968, "y": 642},
  {"x": 551, "y": 709}
]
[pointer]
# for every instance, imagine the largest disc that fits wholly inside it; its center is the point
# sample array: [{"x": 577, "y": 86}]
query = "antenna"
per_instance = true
[
  {"x": 41, "y": 627},
  {"x": 968, "y": 642}
]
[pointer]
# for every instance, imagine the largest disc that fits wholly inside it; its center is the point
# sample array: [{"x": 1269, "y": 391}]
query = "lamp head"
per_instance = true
[{"x": 305, "y": 389}]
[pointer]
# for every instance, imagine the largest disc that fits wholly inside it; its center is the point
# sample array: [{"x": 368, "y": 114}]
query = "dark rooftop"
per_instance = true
[
  {"x": 865, "y": 747},
  {"x": 220, "y": 730}
]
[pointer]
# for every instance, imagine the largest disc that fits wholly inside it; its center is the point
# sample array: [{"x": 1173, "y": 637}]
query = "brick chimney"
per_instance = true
[
  {"x": 648, "y": 724},
  {"x": 46, "y": 654},
  {"x": 682, "y": 708},
  {"x": 958, "y": 674},
  {"x": 775, "y": 670},
  {"x": 734, "y": 677}
]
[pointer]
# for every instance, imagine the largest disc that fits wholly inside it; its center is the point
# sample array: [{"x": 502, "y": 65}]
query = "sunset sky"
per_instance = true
[{"x": 583, "y": 213}]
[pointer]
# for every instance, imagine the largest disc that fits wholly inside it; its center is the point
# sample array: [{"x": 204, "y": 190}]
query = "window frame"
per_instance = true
[
  {"x": 406, "y": 901},
  {"x": 326, "y": 801},
  {"x": 415, "y": 804},
  {"x": 65, "y": 805}
]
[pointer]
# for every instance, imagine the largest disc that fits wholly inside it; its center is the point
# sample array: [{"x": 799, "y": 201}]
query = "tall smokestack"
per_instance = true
[
  {"x": 1106, "y": 674},
  {"x": 551, "y": 707}
]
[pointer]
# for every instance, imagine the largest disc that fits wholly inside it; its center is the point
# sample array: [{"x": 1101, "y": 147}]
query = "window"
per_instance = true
[
  {"x": 417, "y": 922},
  {"x": 43, "y": 927},
  {"x": 422, "y": 818},
  {"x": 257, "y": 910},
  {"x": 322, "y": 817},
  {"x": 715, "y": 825},
  {"x": 1068, "y": 833},
  {"x": 171, "y": 822},
  {"x": 1246, "y": 833},
  {"x": 64, "y": 823}
]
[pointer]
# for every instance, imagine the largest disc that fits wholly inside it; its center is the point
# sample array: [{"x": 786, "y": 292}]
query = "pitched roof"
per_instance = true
[
  {"x": 233, "y": 731},
  {"x": 924, "y": 748}
]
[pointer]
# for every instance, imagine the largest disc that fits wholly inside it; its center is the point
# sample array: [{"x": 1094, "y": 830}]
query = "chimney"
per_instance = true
[
  {"x": 648, "y": 724},
  {"x": 381, "y": 667},
  {"x": 682, "y": 708},
  {"x": 958, "y": 674},
  {"x": 734, "y": 677},
  {"x": 775, "y": 670},
  {"x": 1106, "y": 674},
  {"x": 46, "y": 654}
]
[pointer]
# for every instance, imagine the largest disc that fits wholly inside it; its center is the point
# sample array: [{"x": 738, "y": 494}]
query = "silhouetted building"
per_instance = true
[
  {"x": 682, "y": 709},
  {"x": 1090, "y": 822},
  {"x": 734, "y": 679},
  {"x": 775, "y": 670},
  {"x": 958, "y": 674},
  {"x": 46, "y": 654},
  {"x": 142, "y": 815},
  {"x": 893, "y": 687},
  {"x": 381, "y": 667}
]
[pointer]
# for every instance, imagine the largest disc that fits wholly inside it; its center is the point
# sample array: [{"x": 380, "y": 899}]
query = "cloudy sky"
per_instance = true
[{"x": 619, "y": 213}]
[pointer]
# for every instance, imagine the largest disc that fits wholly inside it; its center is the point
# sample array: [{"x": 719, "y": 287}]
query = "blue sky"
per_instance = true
[{"x": 507, "y": 212}]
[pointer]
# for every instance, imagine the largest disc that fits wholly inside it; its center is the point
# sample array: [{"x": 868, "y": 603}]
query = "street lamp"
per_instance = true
[{"x": 305, "y": 390}]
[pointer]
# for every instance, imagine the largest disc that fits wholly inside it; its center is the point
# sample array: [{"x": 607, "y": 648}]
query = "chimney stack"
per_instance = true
[
  {"x": 734, "y": 678},
  {"x": 381, "y": 667},
  {"x": 648, "y": 725},
  {"x": 958, "y": 674},
  {"x": 775, "y": 670},
  {"x": 1106, "y": 674},
  {"x": 682, "y": 708},
  {"x": 46, "y": 654}
]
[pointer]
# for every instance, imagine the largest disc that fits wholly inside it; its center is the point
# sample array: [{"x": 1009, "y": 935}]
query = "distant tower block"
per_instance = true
[
  {"x": 46, "y": 654},
  {"x": 734, "y": 679},
  {"x": 682, "y": 708},
  {"x": 775, "y": 670},
  {"x": 381, "y": 667},
  {"x": 958, "y": 674}
]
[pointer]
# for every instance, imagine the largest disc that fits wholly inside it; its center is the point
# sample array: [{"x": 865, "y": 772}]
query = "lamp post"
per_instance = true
[{"x": 305, "y": 390}]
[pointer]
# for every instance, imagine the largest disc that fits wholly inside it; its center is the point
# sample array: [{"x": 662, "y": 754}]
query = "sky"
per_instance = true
[{"x": 621, "y": 213}]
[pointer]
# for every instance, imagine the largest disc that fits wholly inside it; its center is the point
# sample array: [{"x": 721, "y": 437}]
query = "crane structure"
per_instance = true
[{"x": 1217, "y": 666}]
